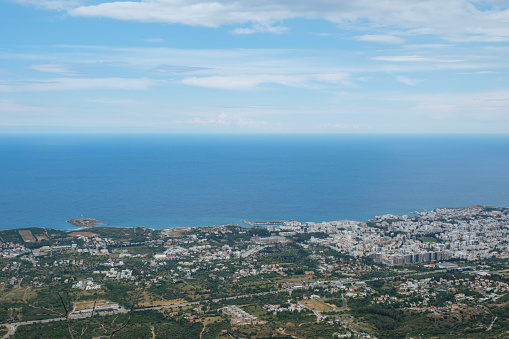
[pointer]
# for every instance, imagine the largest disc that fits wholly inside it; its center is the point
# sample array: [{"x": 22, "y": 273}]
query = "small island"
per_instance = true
[{"x": 86, "y": 222}]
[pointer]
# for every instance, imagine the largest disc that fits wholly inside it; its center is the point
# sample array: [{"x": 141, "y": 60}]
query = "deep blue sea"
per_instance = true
[{"x": 163, "y": 181}]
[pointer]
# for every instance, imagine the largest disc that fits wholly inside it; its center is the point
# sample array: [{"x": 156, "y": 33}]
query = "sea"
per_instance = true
[{"x": 165, "y": 181}]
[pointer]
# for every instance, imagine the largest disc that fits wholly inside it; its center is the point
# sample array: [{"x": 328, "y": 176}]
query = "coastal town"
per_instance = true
[
  {"x": 471, "y": 233},
  {"x": 395, "y": 276}
]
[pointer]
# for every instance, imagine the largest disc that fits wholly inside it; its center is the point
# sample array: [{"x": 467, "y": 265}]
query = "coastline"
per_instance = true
[
  {"x": 87, "y": 224},
  {"x": 308, "y": 178}
]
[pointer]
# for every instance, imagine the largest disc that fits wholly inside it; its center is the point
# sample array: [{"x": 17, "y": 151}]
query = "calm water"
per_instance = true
[{"x": 162, "y": 181}]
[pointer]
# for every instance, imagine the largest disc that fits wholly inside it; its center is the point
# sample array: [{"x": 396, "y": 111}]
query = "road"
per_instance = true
[
  {"x": 316, "y": 313},
  {"x": 319, "y": 317},
  {"x": 14, "y": 326},
  {"x": 491, "y": 325},
  {"x": 12, "y": 329}
]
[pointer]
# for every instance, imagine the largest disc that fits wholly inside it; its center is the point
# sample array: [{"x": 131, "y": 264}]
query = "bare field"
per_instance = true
[
  {"x": 161, "y": 303},
  {"x": 315, "y": 305},
  {"x": 300, "y": 278},
  {"x": 17, "y": 295},
  {"x": 27, "y": 236},
  {"x": 210, "y": 320},
  {"x": 504, "y": 273},
  {"x": 83, "y": 234},
  {"x": 175, "y": 232},
  {"x": 83, "y": 305},
  {"x": 146, "y": 302}
]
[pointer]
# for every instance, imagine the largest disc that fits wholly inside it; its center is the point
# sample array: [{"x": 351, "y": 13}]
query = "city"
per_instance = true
[{"x": 398, "y": 276}]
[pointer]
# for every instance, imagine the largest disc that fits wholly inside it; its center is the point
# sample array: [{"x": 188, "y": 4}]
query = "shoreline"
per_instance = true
[{"x": 87, "y": 224}]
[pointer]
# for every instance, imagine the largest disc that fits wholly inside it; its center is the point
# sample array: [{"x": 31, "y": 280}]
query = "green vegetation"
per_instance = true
[
  {"x": 426, "y": 239},
  {"x": 294, "y": 286},
  {"x": 142, "y": 325}
]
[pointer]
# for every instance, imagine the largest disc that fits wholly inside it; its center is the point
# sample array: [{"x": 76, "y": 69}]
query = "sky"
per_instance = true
[{"x": 264, "y": 66}]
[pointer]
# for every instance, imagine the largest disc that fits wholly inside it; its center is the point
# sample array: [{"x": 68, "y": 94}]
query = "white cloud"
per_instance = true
[
  {"x": 332, "y": 77},
  {"x": 413, "y": 58},
  {"x": 59, "y": 5},
  {"x": 335, "y": 78},
  {"x": 118, "y": 102},
  {"x": 484, "y": 106},
  {"x": 382, "y": 39},
  {"x": 59, "y": 84},
  {"x": 252, "y": 82},
  {"x": 10, "y": 106},
  {"x": 174, "y": 69},
  {"x": 454, "y": 19},
  {"x": 222, "y": 119},
  {"x": 322, "y": 34},
  {"x": 53, "y": 68},
  {"x": 408, "y": 81},
  {"x": 429, "y": 46},
  {"x": 261, "y": 29},
  {"x": 242, "y": 83},
  {"x": 192, "y": 13},
  {"x": 482, "y": 72}
]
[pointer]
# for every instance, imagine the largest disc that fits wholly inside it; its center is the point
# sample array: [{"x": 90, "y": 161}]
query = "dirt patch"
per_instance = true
[
  {"x": 315, "y": 305},
  {"x": 161, "y": 302},
  {"x": 84, "y": 305},
  {"x": 83, "y": 234},
  {"x": 503, "y": 272},
  {"x": 18, "y": 294},
  {"x": 41, "y": 237},
  {"x": 211, "y": 320},
  {"x": 175, "y": 232},
  {"x": 27, "y": 236}
]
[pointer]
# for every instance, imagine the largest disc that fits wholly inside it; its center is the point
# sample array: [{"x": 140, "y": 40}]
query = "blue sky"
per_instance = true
[{"x": 188, "y": 66}]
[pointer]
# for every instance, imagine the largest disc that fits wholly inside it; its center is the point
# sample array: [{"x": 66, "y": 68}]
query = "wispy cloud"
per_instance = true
[
  {"x": 252, "y": 82},
  {"x": 413, "y": 58},
  {"x": 429, "y": 46},
  {"x": 222, "y": 119},
  {"x": 459, "y": 20},
  {"x": 10, "y": 106},
  {"x": 118, "y": 102},
  {"x": 59, "y": 5},
  {"x": 482, "y": 106},
  {"x": 242, "y": 83},
  {"x": 178, "y": 69},
  {"x": 408, "y": 81},
  {"x": 254, "y": 62},
  {"x": 382, "y": 39},
  {"x": 335, "y": 78},
  {"x": 261, "y": 29},
  {"x": 482, "y": 72},
  {"x": 66, "y": 84},
  {"x": 53, "y": 68}
]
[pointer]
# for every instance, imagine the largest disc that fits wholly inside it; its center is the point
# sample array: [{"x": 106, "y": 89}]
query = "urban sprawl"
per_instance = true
[{"x": 393, "y": 276}]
